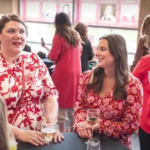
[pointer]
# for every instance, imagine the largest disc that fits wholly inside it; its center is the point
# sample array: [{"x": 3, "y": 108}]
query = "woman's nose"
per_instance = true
[{"x": 17, "y": 35}]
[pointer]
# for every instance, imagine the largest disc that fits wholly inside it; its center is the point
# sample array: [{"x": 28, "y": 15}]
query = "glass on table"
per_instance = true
[
  {"x": 49, "y": 130},
  {"x": 93, "y": 144}
]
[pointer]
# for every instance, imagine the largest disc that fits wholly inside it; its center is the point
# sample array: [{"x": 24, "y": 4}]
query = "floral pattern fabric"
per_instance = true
[
  {"x": 38, "y": 88},
  {"x": 118, "y": 118}
]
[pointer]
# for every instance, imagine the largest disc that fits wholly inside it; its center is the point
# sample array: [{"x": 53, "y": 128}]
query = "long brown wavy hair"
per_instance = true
[
  {"x": 145, "y": 27},
  {"x": 117, "y": 48},
  {"x": 64, "y": 29},
  {"x": 3, "y": 126}
]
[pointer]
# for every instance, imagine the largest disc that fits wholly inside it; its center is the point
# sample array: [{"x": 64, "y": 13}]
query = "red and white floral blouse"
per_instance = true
[
  {"x": 118, "y": 118},
  {"x": 38, "y": 87}
]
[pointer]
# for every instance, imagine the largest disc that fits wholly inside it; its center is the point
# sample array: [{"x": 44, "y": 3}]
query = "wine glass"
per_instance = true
[
  {"x": 93, "y": 144},
  {"x": 49, "y": 130},
  {"x": 12, "y": 140},
  {"x": 92, "y": 118}
]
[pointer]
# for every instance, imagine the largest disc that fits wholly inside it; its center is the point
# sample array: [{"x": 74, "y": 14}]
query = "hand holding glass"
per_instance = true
[{"x": 49, "y": 131}]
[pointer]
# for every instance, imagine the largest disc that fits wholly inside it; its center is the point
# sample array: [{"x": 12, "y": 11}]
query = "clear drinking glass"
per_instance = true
[
  {"x": 92, "y": 117},
  {"x": 12, "y": 140},
  {"x": 93, "y": 144},
  {"x": 49, "y": 113},
  {"x": 49, "y": 130}
]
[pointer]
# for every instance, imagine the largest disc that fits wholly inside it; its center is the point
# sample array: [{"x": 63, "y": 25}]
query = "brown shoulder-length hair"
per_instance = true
[
  {"x": 3, "y": 126},
  {"x": 145, "y": 27},
  {"x": 64, "y": 28},
  {"x": 11, "y": 17},
  {"x": 82, "y": 29},
  {"x": 118, "y": 49}
]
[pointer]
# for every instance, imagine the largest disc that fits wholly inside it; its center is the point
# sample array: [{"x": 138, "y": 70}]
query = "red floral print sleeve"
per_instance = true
[
  {"x": 49, "y": 88},
  {"x": 80, "y": 113}
]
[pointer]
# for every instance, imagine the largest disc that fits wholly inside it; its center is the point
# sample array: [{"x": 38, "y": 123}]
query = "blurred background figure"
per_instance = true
[
  {"x": 108, "y": 14},
  {"x": 66, "y": 53},
  {"x": 27, "y": 48},
  {"x": 41, "y": 54},
  {"x": 143, "y": 47},
  {"x": 142, "y": 72},
  {"x": 87, "y": 53}
]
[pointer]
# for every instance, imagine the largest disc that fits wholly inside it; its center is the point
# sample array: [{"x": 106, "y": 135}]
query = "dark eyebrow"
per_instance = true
[
  {"x": 15, "y": 29},
  {"x": 103, "y": 47},
  {"x": 11, "y": 29}
]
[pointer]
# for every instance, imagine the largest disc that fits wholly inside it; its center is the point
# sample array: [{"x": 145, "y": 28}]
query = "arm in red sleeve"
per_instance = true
[
  {"x": 130, "y": 120},
  {"x": 56, "y": 48},
  {"x": 142, "y": 67}
]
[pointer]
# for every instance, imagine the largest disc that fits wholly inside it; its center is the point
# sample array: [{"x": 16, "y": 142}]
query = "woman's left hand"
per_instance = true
[
  {"x": 58, "y": 137},
  {"x": 85, "y": 126}
]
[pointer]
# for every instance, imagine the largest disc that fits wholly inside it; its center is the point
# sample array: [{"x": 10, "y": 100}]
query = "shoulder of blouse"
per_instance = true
[{"x": 132, "y": 80}]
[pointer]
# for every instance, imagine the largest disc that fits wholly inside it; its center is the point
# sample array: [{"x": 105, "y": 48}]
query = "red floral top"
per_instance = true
[
  {"x": 38, "y": 87},
  {"x": 118, "y": 118}
]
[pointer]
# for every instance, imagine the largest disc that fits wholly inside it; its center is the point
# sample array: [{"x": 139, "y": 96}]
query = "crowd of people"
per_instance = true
[{"x": 110, "y": 87}]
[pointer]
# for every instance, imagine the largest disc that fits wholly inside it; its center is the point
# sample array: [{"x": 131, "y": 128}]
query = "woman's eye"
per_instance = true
[
  {"x": 22, "y": 31},
  {"x": 11, "y": 31}
]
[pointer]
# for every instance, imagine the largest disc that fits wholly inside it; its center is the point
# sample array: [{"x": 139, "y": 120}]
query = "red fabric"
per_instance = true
[
  {"x": 38, "y": 88},
  {"x": 118, "y": 118},
  {"x": 141, "y": 72},
  {"x": 67, "y": 71}
]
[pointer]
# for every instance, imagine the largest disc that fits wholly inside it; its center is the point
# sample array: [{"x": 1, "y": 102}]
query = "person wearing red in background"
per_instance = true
[
  {"x": 143, "y": 47},
  {"x": 66, "y": 53},
  {"x": 142, "y": 72}
]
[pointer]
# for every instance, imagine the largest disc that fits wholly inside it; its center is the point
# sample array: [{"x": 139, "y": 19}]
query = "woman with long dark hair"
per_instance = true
[
  {"x": 66, "y": 52},
  {"x": 87, "y": 53},
  {"x": 112, "y": 90},
  {"x": 143, "y": 46}
]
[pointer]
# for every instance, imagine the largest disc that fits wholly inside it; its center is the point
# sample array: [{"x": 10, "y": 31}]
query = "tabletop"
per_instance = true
[{"x": 73, "y": 142}]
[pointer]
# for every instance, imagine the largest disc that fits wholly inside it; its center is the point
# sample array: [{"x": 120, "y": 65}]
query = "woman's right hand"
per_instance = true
[
  {"x": 85, "y": 133},
  {"x": 33, "y": 137}
]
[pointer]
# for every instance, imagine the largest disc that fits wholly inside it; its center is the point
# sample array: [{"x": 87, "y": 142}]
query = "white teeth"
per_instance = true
[{"x": 17, "y": 43}]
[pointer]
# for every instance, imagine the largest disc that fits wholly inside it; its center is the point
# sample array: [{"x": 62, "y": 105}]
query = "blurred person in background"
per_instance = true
[
  {"x": 108, "y": 14},
  {"x": 143, "y": 47},
  {"x": 27, "y": 48},
  {"x": 87, "y": 53},
  {"x": 142, "y": 72},
  {"x": 66, "y": 53}
]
